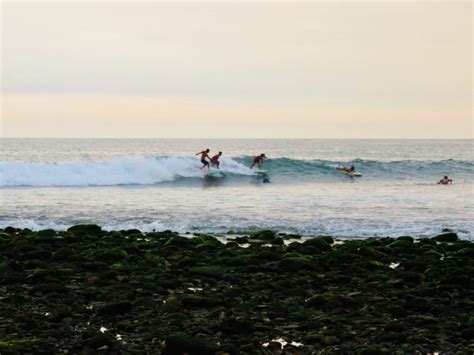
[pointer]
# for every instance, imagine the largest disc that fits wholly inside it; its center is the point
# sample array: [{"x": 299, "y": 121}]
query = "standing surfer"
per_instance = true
[
  {"x": 258, "y": 160},
  {"x": 215, "y": 160},
  {"x": 204, "y": 155}
]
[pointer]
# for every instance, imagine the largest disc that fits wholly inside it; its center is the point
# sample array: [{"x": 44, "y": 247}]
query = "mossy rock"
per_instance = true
[
  {"x": 370, "y": 252},
  {"x": 371, "y": 350},
  {"x": 95, "y": 266},
  {"x": 46, "y": 288},
  {"x": 115, "y": 234},
  {"x": 85, "y": 229},
  {"x": 113, "y": 309},
  {"x": 129, "y": 232},
  {"x": 407, "y": 238},
  {"x": 177, "y": 241},
  {"x": 46, "y": 233},
  {"x": 199, "y": 301},
  {"x": 319, "y": 243},
  {"x": 99, "y": 341},
  {"x": 233, "y": 325},
  {"x": 295, "y": 263},
  {"x": 24, "y": 346},
  {"x": 447, "y": 237},
  {"x": 469, "y": 252},
  {"x": 110, "y": 254},
  {"x": 401, "y": 244},
  {"x": 184, "y": 344},
  {"x": 36, "y": 264},
  {"x": 265, "y": 235},
  {"x": 209, "y": 271}
]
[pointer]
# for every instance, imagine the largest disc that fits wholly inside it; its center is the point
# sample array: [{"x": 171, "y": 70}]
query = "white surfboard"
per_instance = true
[
  {"x": 351, "y": 173},
  {"x": 215, "y": 173}
]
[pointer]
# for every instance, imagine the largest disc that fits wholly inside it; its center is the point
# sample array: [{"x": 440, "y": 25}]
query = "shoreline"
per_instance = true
[{"x": 86, "y": 290}]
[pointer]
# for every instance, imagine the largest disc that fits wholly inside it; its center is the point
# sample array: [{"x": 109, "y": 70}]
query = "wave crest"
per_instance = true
[{"x": 121, "y": 171}]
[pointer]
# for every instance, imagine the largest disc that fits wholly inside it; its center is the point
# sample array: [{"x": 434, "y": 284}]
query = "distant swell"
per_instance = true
[{"x": 154, "y": 170}]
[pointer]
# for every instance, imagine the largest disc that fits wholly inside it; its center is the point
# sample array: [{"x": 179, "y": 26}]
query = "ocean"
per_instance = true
[{"x": 157, "y": 184}]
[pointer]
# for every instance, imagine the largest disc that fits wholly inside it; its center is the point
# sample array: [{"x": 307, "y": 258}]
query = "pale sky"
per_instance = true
[{"x": 237, "y": 70}]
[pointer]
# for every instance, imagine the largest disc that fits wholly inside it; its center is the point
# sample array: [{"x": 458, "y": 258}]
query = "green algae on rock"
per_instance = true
[{"x": 87, "y": 290}]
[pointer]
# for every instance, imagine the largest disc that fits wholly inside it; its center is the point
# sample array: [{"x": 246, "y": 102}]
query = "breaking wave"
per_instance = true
[{"x": 139, "y": 170}]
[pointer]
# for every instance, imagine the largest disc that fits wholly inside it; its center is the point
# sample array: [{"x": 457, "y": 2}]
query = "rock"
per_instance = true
[
  {"x": 446, "y": 237},
  {"x": 317, "y": 301},
  {"x": 241, "y": 240},
  {"x": 85, "y": 229},
  {"x": 421, "y": 319},
  {"x": 407, "y": 238},
  {"x": 10, "y": 230},
  {"x": 265, "y": 235},
  {"x": 401, "y": 244},
  {"x": 46, "y": 233},
  {"x": 113, "y": 309},
  {"x": 468, "y": 333},
  {"x": 234, "y": 325},
  {"x": 319, "y": 243},
  {"x": 312, "y": 338},
  {"x": 277, "y": 241},
  {"x": 199, "y": 301},
  {"x": 131, "y": 232},
  {"x": 184, "y": 344},
  {"x": 291, "y": 264},
  {"x": 99, "y": 341},
  {"x": 210, "y": 271},
  {"x": 329, "y": 340},
  {"x": 46, "y": 288},
  {"x": 371, "y": 350}
]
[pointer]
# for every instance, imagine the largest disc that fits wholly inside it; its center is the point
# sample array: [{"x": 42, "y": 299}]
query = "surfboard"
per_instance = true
[
  {"x": 351, "y": 173},
  {"x": 261, "y": 171},
  {"x": 215, "y": 173}
]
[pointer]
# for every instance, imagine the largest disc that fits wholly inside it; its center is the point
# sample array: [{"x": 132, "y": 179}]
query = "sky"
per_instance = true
[{"x": 236, "y": 69}]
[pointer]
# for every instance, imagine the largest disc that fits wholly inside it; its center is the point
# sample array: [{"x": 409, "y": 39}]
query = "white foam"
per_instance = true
[{"x": 122, "y": 171}]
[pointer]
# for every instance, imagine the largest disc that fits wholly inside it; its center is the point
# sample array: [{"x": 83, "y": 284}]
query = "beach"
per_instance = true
[
  {"x": 86, "y": 290},
  {"x": 225, "y": 178}
]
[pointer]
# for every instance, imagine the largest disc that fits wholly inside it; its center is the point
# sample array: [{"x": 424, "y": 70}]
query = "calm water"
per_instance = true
[{"x": 157, "y": 184}]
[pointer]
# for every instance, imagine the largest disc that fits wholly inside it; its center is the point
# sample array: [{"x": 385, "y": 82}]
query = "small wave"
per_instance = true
[{"x": 373, "y": 169}]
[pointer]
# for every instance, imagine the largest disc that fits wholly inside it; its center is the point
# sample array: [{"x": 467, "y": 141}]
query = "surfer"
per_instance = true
[
  {"x": 204, "y": 155},
  {"x": 445, "y": 181},
  {"x": 346, "y": 168},
  {"x": 258, "y": 160},
  {"x": 215, "y": 160}
]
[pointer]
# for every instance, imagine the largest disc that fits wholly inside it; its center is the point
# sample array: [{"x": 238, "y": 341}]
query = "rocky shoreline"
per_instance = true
[{"x": 87, "y": 290}]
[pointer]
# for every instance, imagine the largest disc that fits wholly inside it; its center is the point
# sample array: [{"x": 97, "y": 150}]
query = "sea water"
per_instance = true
[{"x": 157, "y": 184}]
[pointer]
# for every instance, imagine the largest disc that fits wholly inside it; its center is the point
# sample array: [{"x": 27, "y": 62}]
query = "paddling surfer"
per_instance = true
[
  {"x": 204, "y": 155},
  {"x": 445, "y": 181},
  {"x": 258, "y": 160},
  {"x": 346, "y": 169}
]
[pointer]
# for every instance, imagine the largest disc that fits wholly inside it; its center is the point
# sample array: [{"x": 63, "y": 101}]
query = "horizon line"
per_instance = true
[{"x": 240, "y": 138}]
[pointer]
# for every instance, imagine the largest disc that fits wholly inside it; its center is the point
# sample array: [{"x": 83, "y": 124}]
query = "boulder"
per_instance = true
[
  {"x": 182, "y": 344},
  {"x": 446, "y": 237},
  {"x": 85, "y": 229},
  {"x": 265, "y": 235},
  {"x": 112, "y": 309}
]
